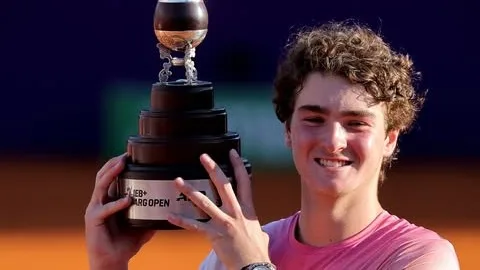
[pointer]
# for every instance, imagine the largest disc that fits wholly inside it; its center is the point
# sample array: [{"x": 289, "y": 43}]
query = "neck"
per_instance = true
[{"x": 325, "y": 219}]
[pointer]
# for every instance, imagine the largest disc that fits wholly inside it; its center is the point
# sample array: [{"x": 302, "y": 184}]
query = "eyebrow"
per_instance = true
[{"x": 321, "y": 110}]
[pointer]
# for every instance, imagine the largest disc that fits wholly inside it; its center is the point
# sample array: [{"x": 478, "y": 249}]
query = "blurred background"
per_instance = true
[{"x": 74, "y": 76}]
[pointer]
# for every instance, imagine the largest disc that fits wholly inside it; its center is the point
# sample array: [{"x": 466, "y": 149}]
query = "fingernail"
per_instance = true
[
  {"x": 234, "y": 153},
  {"x": 179, "y": 180},
  {"x": 207, "y": 157},
  {"x": 125, "y": 199},
  {"x": 208, "y": 161}
]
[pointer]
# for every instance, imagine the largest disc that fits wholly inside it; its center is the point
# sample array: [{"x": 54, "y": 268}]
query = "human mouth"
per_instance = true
[{"x": 332, "y": 163}]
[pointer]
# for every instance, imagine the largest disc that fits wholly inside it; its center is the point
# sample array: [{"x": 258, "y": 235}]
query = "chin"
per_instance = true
[{"x": 333, "y": 187}]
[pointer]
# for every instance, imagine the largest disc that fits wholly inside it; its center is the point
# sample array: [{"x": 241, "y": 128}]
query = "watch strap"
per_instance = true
[{"x": 262, "y": 265}]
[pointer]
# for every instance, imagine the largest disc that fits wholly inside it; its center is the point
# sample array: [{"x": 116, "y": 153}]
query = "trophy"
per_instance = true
[{"x": 181, "y": 124}]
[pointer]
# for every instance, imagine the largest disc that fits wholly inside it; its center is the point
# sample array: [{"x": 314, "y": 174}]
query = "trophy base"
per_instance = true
[
  {"x": 155, "y": 196},
  {"x": 159, "y": 225},
  {"x": 181, "y": 124}
]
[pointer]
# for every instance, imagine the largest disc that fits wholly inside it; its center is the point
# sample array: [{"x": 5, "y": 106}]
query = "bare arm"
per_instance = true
[{"x": 211, "y": 262}]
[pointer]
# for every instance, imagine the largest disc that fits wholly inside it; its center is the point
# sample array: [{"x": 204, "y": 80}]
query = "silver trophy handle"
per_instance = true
[
  {"x": 165, "y": 73},
  {"x": 187, "y": 62}
]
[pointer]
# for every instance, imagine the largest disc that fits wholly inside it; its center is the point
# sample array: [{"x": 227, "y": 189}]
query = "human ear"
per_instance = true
[
  {"x": 287, "y": 136},
  {"x": 390, "y": 143}
]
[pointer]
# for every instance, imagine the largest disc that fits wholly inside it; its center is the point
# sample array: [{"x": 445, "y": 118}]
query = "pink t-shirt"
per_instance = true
[{"x": 387, "y": 243}]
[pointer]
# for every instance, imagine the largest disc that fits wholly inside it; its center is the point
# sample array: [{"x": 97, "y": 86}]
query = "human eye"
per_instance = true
[
  {"x": 314, "y": 120},
  {"x": 357, "y": 123}
]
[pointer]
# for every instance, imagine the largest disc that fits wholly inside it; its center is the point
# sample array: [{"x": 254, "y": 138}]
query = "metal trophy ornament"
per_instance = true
[{"x": 181, "y": 123}]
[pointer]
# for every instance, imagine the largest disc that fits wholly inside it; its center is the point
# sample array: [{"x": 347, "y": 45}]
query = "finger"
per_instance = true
[
  {"x": 103, "y": 212},
  {"x": 200, "y": 200},
  {"x": 107, "y": 166},
  {"x": 112, "y": 191},
  {"x": 244, "y": 187},
  {"x": 102, "y": 185},
  {"x": 222, "y": 184},
  {"x": 113, "y": 207},
  {"x": 188, "y": 223}
]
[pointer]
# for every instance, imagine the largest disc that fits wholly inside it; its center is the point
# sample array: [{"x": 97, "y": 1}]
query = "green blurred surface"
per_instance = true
[{"x": 249, "y": 108}]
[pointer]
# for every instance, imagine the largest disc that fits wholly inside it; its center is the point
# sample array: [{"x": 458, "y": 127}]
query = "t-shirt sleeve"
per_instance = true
[
  {"x": 211, "y": 262},
  {"x": 438, "y": 254}
]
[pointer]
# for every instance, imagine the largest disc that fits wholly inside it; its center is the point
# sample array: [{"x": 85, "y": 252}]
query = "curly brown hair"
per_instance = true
[{"x": 358, "y": 54}]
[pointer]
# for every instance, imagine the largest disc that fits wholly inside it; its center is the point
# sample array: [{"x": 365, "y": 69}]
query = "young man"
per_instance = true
[{"x": 344, "y": 97}]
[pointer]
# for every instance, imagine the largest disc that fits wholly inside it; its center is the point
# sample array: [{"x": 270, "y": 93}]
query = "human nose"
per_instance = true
[{"x": 334, "y": 139}]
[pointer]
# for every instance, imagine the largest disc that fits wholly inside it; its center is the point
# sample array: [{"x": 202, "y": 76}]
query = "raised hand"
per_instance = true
[
  {"x": 234, "y": 230},
  {"x": 108, "y": 245}
]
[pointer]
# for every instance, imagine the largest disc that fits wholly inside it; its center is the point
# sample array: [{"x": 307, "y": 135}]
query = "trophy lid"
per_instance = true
[{"x": 180, "y": 25}]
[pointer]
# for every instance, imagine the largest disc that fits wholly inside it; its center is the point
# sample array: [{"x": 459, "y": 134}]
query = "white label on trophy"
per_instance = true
[{"x": 155, "y": 199}]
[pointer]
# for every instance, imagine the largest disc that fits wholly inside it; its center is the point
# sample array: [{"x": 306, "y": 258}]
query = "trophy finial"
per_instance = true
[{"x": 180, "y": 26}]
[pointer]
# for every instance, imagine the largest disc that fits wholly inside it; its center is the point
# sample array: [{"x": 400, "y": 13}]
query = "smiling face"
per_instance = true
[{"x": 338, "y": 139}]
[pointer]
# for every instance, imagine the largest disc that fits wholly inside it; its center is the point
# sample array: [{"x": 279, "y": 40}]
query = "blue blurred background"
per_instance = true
[
  {"x": 75, "y": 74},
  {"x": 60, "y": 59}
]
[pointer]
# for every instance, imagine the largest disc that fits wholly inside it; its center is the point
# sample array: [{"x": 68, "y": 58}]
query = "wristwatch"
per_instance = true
[{"x": 260, "y": 266}]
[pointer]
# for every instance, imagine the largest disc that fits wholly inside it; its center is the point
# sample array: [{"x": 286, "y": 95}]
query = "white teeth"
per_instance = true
[{"x": 332, "y": 163}]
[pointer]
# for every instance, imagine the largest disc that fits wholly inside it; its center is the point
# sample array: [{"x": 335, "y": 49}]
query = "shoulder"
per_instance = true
[
  {"x": 280, "y": 227},
  {"x": 275, "y": 230},
  {"x": 426, "y": 254},
  {"x": 419, "y": 248}
]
